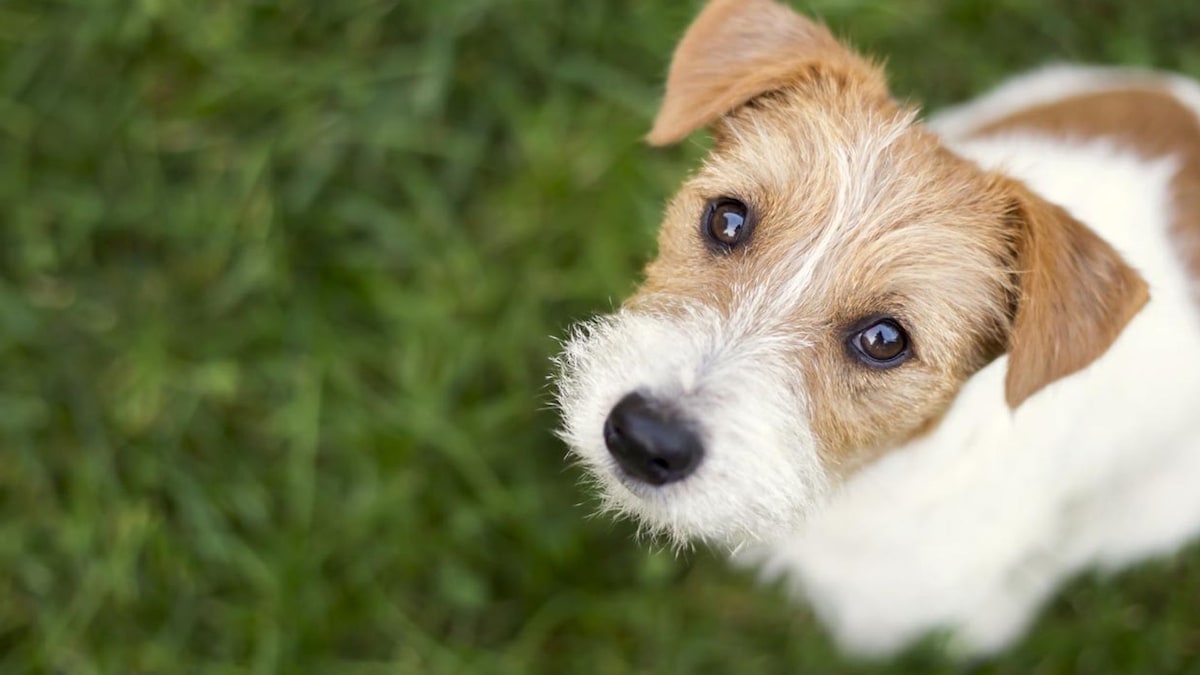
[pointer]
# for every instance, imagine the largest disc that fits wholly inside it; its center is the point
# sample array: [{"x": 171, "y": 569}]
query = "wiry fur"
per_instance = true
[
  {"x": 1044, "y": 420},
  {"x": 702, "y": 361}
]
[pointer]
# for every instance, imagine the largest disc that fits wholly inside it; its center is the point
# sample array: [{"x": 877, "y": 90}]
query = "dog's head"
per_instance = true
[{"x": 825, "y": 285}]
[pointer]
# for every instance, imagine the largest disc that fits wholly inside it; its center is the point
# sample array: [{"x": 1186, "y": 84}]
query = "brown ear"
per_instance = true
[
  {"x": 738, "y": 49},
  {"x": 1075, "y": 296}
]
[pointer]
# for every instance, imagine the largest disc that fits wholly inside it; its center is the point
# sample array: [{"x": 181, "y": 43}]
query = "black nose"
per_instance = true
[{"x": 650, "y": 441}]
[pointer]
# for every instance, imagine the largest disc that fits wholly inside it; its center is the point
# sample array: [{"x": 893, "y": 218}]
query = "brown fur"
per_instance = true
[
  {"x": 807, "y": 136},
  {"x": 738, "y": 49}
]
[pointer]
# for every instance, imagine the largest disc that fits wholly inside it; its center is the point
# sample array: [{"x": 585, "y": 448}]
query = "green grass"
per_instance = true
[{"x": 278, "y": 286}]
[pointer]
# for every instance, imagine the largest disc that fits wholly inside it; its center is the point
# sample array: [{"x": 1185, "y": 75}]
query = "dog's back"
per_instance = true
[{"x": 1153, "y": 115}]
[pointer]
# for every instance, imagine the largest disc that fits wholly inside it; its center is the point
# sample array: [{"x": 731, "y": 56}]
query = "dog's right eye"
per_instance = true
[
  {"x": 881, "y": 344},
  {"x": 726, "y": 222}
]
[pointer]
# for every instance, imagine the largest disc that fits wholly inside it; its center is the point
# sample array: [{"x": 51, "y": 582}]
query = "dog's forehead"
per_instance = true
[
  {"x": 855, "y": 211},
  {"x": 811, "y": 159},
  {"x": 808, "y": 172}
]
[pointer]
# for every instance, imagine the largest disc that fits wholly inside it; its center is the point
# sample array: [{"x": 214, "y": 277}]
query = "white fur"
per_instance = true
[
  {"x": 970, "y": 529},
  {"x": 760, "y": 473}
]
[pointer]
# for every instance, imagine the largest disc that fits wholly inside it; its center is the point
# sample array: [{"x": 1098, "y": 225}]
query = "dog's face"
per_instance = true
[{"x": 825, "y": 285}]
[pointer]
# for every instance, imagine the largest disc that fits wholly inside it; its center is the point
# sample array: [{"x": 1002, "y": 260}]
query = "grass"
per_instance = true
[{"x": 278, "y": 282}]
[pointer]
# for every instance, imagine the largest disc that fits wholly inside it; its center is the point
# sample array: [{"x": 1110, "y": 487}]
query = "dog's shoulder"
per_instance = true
[{"x": 1154, "y": 115}]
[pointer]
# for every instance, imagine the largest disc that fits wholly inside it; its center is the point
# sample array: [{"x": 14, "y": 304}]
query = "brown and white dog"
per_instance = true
[{"x": 925, "y": 371}]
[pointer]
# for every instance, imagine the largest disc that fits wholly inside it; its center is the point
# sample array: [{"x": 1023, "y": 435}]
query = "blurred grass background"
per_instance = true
[{"x": 278, "y": 282}]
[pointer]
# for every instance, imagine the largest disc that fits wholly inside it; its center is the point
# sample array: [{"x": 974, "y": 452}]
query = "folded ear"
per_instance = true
[
  {"x": 1075, "y": 294},
  {"x": 738, "y": 49}
]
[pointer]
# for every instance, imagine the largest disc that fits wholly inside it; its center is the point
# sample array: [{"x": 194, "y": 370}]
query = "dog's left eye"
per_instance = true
[
  {"x": 882, "y": 344},
  {"x": 726, "y": 221}
]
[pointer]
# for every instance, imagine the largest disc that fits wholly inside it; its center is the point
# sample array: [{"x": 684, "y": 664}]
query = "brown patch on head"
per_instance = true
[
  {"x": 934, "y": 258},
  {"x": 858, "y": 213},
  {"x": 738, "y": 49},
  {"x": 1145, "y": 118}
]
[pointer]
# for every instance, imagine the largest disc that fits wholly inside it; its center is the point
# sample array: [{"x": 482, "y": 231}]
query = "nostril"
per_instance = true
[
  {"x": 651, "y": 441},
  {"x": 612, "y": 432}
]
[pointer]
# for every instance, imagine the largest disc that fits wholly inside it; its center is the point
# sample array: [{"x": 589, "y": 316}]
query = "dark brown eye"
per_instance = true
[
  {"x": 882, "y": 344},
  {"x": 726, "y": 221}
]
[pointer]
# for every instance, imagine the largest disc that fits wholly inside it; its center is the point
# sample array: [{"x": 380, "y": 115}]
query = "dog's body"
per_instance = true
[
  {"x": 971, "y": 527},
  {"x": 1046, "y": 419}
]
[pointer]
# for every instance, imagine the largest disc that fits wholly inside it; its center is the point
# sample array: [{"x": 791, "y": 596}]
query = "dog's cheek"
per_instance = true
[{"x": 858, "y": 415}]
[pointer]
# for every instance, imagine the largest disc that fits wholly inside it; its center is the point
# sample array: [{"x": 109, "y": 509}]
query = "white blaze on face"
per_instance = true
[{"x": 736, "y": 382}]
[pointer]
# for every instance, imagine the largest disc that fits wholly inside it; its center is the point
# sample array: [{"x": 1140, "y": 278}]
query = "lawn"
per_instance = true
[{"x": 279, "y": 283}]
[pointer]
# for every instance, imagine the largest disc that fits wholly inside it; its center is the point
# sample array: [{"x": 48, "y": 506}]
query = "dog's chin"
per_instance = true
[{"x": 704, "y": 509}]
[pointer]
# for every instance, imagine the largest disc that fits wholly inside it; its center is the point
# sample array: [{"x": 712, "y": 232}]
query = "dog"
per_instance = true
[{"x": 922, "y": 370}]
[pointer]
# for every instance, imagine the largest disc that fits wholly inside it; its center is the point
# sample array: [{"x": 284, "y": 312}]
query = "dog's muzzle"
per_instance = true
[{"x": 651, "y": 442}]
